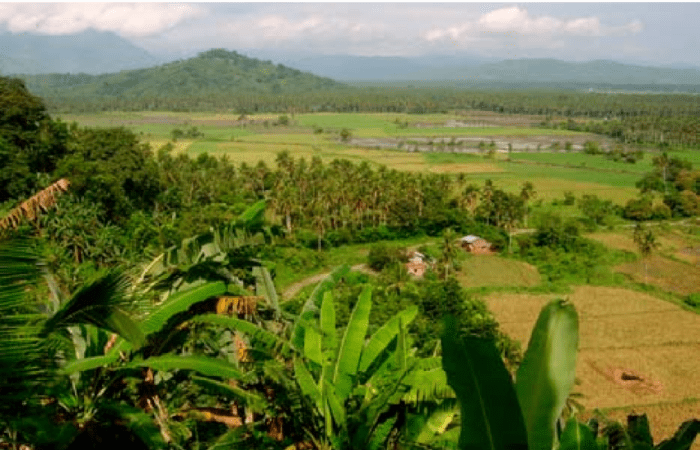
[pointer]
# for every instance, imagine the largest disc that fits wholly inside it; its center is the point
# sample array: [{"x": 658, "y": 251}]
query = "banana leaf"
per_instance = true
[
  {"x": 546, "y": 375},
  {"x": 351, "y": 345},
  {"x": 577, "y": 436},
  {"x": 490, "y": 414}
]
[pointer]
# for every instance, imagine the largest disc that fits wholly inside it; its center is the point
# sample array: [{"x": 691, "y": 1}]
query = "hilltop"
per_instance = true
[{"x": 212, "y": 73}]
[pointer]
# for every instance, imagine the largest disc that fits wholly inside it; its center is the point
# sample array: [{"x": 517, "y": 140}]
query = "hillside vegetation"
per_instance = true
[{"x": 209, "y": 75}]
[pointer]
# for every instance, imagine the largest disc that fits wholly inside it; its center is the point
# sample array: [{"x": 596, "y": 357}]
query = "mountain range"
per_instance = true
[
  {"x": 89, "y": 52},
  {"x": 114, "y": 59}
]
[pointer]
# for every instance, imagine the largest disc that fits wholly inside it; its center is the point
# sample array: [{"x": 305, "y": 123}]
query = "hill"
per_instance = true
[
  {"x": 556, "y": 71},
  {"x": 213, "y": 73},
  {"x": 92, "y": 52},
  {"x": 363, "y": 68}
]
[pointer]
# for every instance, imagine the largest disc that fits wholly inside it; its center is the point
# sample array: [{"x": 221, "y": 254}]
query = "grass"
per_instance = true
[
  {"x": 223, "y": 135},
  {"x": 582, "y": 160},
  {"x": 487, "y": 270}
]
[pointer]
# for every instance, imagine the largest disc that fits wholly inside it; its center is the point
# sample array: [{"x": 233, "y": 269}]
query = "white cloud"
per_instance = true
[
  {"x": 127, "y": 19},
  {"x": 317, "y": 31},
  {"x": 514, "y": 21}
]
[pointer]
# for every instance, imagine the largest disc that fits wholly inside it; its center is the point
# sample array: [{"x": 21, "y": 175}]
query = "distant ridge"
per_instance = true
[
  {"x": 91, "y": 51},
  {"x": 211, "y": 73},
  {"x": 553, "y": 70}
]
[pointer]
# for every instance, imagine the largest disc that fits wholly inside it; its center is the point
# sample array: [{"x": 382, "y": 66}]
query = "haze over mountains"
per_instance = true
[{"x": 93, "y": 52}]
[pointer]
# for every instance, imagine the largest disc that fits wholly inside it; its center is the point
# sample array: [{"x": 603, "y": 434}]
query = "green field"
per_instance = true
[{"x": 259, "y": 137}]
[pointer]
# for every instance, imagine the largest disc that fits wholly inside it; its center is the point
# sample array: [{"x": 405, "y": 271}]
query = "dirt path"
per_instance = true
[{"x": 293, "y": 289}]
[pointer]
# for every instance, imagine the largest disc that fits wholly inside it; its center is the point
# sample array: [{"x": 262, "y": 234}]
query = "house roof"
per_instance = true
[{"x": 470, "y": 239}]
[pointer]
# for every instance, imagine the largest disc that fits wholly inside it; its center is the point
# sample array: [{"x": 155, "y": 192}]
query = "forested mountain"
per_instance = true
[
  {"x": 91, "y": 52},
  {"x": 209, "y": 74},
  {"x": 364, "y": 68},
  {"x": 553, "y": 70}
]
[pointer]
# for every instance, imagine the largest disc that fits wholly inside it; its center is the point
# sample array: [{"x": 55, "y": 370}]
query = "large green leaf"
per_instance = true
[
  {"x": 310, "y": 306},
  {"x": 312, "y": 345},
  {"x": 103, "y": 303},
  {"x": 328, "y": 322},
  {"x": 22, "y": 346},
  {"x": 639, "y": 431},
  {"x": 251, "y": 215},
  {"x": 684, "y": 437},
  {"x": 427, "y": 385},
  {"x": 546, "y": 375},
  {"x": 201, "y": 364},
  {"x": 577, "y": 436},
  {"x": 265, "y": 287},
  {"x": 178, "y": 303},
  {"x": 264, "y": 337},
  {"x": 351, "y": 345},
  {"x": 436, "y": 423},
  {"x": 81, "y": 365},
  {"x": 335, "y": 404},
  {"x": 383, "y": 336},
  {"x": 248, "y": 398},
  {"x": 307, "y": 384},
  {"x": 490, "y": 415}
]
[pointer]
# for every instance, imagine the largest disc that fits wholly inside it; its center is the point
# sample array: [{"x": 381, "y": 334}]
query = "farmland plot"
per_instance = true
[{"x": 635, "y": 351}]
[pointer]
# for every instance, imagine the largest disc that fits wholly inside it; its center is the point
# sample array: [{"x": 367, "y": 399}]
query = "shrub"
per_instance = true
[
  {"x": 693, "y": 300},
  {"x": 569, "y": 198},
  {"x": 381, "y": 255}
]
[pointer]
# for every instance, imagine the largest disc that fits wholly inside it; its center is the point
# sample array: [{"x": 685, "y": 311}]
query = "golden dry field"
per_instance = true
[
  {"x": 672, "y": 276},
  {"x": 636, "y": 351},
  {"x": 674, "y": 266}
]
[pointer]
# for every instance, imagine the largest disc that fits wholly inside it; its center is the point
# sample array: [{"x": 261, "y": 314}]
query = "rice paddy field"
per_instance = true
[
  {"x": 260, "y": 138},
  {"x": 637, "y": 352}
]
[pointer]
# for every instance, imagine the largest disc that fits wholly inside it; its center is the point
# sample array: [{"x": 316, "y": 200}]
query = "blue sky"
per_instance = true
[{"x": 653, "y": 33}]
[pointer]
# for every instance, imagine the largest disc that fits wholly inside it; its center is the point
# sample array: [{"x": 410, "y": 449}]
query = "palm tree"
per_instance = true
[
  {"x": 449, "y": 249},
  {"x": 646, "y": 243},
  {"x": 36, "y": 343}
]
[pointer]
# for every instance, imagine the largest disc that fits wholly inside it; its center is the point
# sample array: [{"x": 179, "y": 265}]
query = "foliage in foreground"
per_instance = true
[{"x": 530, "y": 413}]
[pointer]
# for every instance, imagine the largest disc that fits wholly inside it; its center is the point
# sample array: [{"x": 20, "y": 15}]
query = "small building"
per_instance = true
[
  {"x": 416, "y": 264},
  {"x": 476, "y": 245},
  {"x": 416, "y": 267}
]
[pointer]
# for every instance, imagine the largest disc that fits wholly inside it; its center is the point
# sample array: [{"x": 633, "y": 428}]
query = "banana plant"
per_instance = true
[
  {"x": 499, "y": 414},
  {"x": 353, "y": 382}
]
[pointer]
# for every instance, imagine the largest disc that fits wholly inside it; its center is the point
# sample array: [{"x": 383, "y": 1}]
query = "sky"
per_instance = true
[{"x": 650, "y": 33}]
